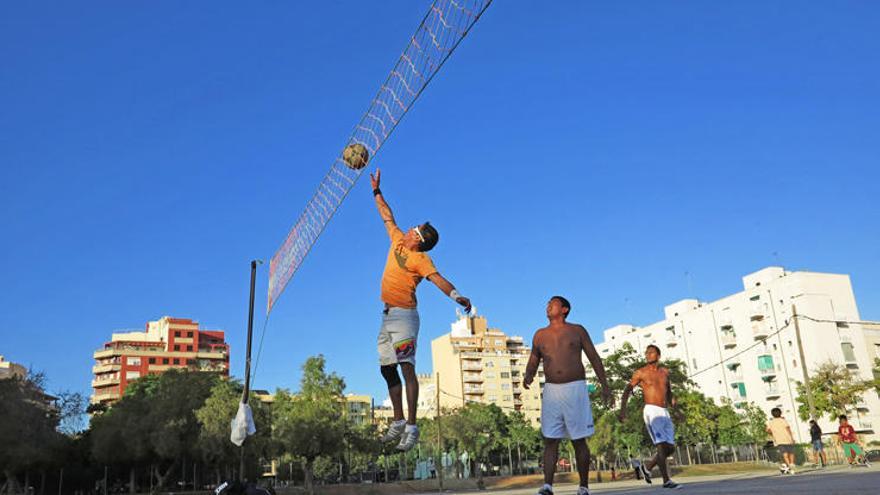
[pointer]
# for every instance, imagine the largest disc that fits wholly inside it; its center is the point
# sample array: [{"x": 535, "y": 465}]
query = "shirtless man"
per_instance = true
[
  {"x": 654, "y": 381},
  {"x": 565, "y": 402},
  {"x": 406, "y": 265}
]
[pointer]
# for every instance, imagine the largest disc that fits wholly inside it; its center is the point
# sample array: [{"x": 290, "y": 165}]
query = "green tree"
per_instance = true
[
  {"x": 730, "y": 426},
  {"x": 695, "y": 419},
  {"x": 835, "y": 390},
  {"x": 28, "y": 436},
  {"x": 155, "y": 422},
  {"x": 214, "y": 418},
  {"x": 525, "y": 437},
  {"x": 311, "y": 424},
  {"x": 755, "y": 426},
  {"x": 477, "y": 429}
]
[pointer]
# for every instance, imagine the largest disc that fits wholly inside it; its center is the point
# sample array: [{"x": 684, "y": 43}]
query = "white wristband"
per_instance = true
[{"x": 454, "y": 295}]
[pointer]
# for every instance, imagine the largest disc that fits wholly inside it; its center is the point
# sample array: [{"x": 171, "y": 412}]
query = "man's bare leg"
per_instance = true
[
  {"x": 412, "y": 391},
  {"x": 551, "y": 455},
  {"x": 663, "y": 451},
  {"x": 395, "y": 393},
  {"x": 582, "y": 454}
]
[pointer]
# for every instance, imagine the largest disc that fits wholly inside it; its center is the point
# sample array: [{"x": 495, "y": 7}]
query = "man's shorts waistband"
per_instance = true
[{"x": 397, "y": 309}]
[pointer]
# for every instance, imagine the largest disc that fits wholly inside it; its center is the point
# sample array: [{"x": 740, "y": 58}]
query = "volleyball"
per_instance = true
[{"x": 356, "y": 156}]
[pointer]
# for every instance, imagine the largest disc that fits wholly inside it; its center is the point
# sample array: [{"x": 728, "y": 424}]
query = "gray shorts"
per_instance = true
[
  {"x": 398, "y": 335},
  {"x": 786, "y": 448}
]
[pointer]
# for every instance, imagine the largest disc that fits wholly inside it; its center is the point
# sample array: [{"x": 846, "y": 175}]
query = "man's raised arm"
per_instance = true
[{"x": 382, "y": 205}]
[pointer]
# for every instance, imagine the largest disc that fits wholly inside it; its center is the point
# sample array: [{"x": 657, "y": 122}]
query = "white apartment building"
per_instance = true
[
  {"x": 744, "y": 347},
  {"x": 481, "y": 364}
]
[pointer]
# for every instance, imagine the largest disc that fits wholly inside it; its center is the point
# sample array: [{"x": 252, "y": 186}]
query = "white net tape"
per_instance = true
[{"x": 441, "y": 30}]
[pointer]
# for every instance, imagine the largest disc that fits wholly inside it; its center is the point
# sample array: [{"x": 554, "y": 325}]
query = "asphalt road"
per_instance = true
[{"x": 837, "y": 480}]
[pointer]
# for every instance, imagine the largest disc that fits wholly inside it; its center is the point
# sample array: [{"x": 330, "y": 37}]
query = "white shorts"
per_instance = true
[
  {"x": 659, "y": 424},
  {"x": 566, "y": 411},
  {"x": 397, "y": 336}
]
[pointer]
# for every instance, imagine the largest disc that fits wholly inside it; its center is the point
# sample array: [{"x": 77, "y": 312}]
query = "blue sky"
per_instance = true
[{"x": 597, "y": 150}]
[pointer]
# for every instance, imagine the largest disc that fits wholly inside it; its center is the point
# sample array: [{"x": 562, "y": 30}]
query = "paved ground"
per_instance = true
[{"x": 835, "y": 480}]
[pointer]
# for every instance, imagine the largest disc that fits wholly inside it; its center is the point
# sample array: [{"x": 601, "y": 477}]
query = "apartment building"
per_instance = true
[
  {"x": 749, "y": 347},
  {"x": 477, "y": 363},
  {"x": 165, "y": 344}
]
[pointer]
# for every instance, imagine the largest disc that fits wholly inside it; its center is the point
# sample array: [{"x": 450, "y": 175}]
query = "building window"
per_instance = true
[
  {"x": 505, "y": 386},
  {"x": 177, "y": 333},
  {"x": 164, "y": 360},
  {"x": 189, "y": 335},
  {"x": 152, "y": 360},
  {"x": 176, "y": 361},
  {"x": 765, "y": 363},
  {"x": 741, "y": 388},
  {"x": 848, "y": 355},
  {"x": 189, "y": 348},
  {"x": 176, "y": 347},
  {"x": 505, "y": 374},
  {"x": 135, "y": 361}
]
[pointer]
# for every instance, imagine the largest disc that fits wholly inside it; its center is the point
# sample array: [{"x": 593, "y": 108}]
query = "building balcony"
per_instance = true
[
  {"x": 672, "y": 342},
  {"x": 756, "y": 312},
  {"x": 471, "y": 366},
  {"x": 211, "y": 355},
  {"x": 768, "y": 374},
  {"x": 104, "y": 395},
  {"x": 728, "y": 340},
  {"x": 105, "y": 353},
  {"x": 760, "y": 330},
  {"x": 772, "y": 393},
  {"x": 105, "y": 368},
  {"x": 472, "y": 378},
  {"x": 105, "y": 382},
  {"x": 474, "y": 390}
]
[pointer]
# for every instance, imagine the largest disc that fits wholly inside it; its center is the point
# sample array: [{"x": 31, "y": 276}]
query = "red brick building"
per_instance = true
[{"x": 167, "y": 343}]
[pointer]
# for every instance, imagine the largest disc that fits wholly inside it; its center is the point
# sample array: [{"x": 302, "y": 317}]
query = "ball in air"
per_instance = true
[{"x": 356, "y": 156}]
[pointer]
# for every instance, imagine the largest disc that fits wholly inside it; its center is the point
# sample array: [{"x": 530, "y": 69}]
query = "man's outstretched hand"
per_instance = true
[
  {"x": 464, "y": 302},
  {"x": 374, "y": 179}
]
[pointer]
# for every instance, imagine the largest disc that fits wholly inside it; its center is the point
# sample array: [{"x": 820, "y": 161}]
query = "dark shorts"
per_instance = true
[
  {"x": 817, "y": 445},
  {"x": 786, "y": 449}
]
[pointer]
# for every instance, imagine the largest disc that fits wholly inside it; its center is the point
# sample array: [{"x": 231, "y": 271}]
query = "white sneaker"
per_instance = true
[
  {"x": 409, "y": 439},
  {"x": 394, "y": 431}
]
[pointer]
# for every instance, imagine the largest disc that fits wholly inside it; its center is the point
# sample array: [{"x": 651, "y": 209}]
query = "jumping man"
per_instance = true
[
  {"x": 565, "y": 403},
  {"x": 654, "y": 380},
  {"x": 406, "y": 266}
]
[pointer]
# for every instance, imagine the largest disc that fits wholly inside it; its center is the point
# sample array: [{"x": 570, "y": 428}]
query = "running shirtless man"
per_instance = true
[
  {"x": 654, "y": 380},
  {"x": 565, "y": 402}
]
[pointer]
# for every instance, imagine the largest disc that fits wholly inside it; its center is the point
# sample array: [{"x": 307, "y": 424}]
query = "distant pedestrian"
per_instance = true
[
  {"x": 816, "y": 440},
  {"x": 852, "y": 447},
  {"x": 780, "y": 430}
]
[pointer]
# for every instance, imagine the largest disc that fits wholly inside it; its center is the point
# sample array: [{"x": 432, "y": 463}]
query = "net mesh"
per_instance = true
[{"x": 444, "y": 26}]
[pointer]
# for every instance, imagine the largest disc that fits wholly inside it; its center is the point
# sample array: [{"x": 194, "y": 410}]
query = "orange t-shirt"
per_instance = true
[{"x": 404, "y": 269}]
